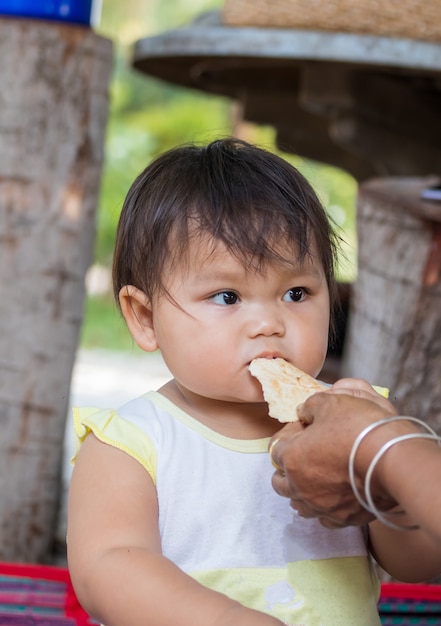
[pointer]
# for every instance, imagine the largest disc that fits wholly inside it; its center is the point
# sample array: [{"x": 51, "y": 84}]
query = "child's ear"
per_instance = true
[{"x": 137, "y": 311}]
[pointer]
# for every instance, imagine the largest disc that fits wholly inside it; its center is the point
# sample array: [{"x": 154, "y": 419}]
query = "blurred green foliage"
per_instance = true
[
  {"x": 148, "y": 116},
  {"x": 104, "y": 327}
]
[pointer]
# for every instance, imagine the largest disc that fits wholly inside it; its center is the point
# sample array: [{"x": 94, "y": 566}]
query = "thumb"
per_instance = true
[
  {"x": 313, "y": 407},
  {"x": 305, "y": 415}
]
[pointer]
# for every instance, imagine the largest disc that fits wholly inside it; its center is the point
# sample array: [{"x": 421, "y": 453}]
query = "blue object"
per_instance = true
[{"x": 73, "y": 11}]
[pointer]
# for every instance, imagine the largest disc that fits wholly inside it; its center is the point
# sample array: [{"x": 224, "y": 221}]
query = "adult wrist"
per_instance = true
[
  {"x": 381, "y": 436},
  {"x": 386, "y": 430},
  {"x": 387, "y": 517}
]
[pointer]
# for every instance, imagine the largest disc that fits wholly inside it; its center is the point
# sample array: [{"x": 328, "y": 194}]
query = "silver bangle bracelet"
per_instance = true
[
  {"x": 354, "y": 451},
  {"x": 381, "y": 515},
  {"x": 351, "y": 464}
]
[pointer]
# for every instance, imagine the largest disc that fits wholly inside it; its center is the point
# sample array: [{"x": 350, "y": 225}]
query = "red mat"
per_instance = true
[
  {"x": 39, "y": 595},
  {"x": 407, "y": 604}
]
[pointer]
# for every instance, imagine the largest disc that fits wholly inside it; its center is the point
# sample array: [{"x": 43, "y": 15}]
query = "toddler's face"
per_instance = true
[{"x": 224, "y": 315}]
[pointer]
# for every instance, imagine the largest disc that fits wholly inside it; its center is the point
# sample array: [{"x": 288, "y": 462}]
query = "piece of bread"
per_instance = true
[{"x": 284, "y": 386}]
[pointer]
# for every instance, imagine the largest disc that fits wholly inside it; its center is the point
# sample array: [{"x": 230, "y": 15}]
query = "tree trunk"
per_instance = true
[
  {"x": 394, "y": 334},
  {"x": 53, "y": 112}
]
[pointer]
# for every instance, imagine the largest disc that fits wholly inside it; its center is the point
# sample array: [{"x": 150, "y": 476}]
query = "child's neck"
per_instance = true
[{"x": 233, "y": 419}]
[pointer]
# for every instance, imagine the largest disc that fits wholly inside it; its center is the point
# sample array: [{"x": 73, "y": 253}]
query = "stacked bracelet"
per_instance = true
[{"x": 369, "y": 504}]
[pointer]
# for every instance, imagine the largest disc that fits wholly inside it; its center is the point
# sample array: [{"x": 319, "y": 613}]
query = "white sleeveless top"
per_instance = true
[{"x": 222, "y": 523}]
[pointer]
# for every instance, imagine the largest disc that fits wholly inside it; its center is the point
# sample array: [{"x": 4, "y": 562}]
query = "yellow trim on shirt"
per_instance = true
[
  {"x": 237, "y": 445},
  {"x": 110, "y": 428}
]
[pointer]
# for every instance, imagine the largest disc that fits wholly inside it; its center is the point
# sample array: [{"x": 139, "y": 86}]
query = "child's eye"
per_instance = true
[
  {"x": 296, "y": 294},
  {"x": 225, "y": 297}
]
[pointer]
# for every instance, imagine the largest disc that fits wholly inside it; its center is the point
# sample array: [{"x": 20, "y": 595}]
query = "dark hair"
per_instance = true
[{"x": 244, "y": 196}]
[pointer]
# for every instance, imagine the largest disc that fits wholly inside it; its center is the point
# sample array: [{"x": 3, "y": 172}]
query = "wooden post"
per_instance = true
[
  {"x": 53, "y": 112},
  {"x": 394, "y": 334}
]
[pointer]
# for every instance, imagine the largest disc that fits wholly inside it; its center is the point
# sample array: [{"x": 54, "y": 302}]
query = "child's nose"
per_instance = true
[{"x": 266, "y": 321}]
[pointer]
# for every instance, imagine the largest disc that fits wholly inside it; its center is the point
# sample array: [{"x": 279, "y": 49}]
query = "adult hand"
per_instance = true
[{"x": 313, "y": 455}]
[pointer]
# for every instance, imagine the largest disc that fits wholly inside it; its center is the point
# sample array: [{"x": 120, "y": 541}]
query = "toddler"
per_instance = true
[{"x": 223, "y": 254}]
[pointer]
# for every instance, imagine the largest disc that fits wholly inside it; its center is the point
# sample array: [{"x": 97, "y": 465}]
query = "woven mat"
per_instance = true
[
  {"x": 406, "y": 604},
  {"x": 411, "y": 19},
  {"x": 36, "y": 595}
]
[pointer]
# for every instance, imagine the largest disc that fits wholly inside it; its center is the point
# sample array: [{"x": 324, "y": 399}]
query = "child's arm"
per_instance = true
[
  {"x": 414, "y": 555},
  {"x": 114, "y": 551}
]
